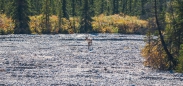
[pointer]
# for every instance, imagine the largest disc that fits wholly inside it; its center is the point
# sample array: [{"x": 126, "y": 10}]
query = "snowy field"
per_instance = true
[{"x": 64, "y": 60}]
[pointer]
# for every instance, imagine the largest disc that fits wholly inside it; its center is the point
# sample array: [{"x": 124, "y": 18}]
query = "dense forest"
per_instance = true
[
  {"x": 161, "y": 18},
  {"x": 73, "y": 16}
]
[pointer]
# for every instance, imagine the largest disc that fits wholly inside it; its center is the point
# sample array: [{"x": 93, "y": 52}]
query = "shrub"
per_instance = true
[
  {"x": 119, "y": 23},
  {"x": 180, "y": 61},
  {"x": 101, "y": 24},
  {"x": 155, "y": 56},
  {"x": 6, "y": 25}
]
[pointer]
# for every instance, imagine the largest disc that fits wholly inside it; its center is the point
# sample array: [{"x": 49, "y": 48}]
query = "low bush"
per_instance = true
[
  {"x": 118, "y": 24},
  {"x": 6, "y": 25},
  {"x": 155, "y": 56},
  {"x": 180, "y": 61},
  {"x": 101, "y": 24}
]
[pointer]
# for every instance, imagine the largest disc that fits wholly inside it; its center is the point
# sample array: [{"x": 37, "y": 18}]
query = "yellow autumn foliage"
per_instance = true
[
  {"x": 118, "y": 23},
  {"x": 101, "y": 24},
  {"x": 6, "y": 24},
  {"x": 155, "y": 56}
]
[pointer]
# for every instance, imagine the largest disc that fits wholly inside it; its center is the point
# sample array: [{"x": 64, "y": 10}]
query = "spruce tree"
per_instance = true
[
  {"x": 178, "y": 34},
  {"x": 179, "y": 25},
  {"x": 59, "y": 15},
  {"x": 20, "y": 12},
  {"x": 74, "y": 14},
  {"x": 143, "y": 2},
  {"x": 172, "y": 61},
  {"x": 35, "y": 7},
  {"x": 64, "y": 9},
  {"x": 92, "y": 7},
  {"x": 115, "y": 7},
  {"x": 124, "y": 6},
  {"x": 46, "y": 29},
  {"x": 180, "y": 59},
  {"x": 102, "y": 7},
  {"x": 2, "y": 6},
  {"x": 85, "y": 24}
]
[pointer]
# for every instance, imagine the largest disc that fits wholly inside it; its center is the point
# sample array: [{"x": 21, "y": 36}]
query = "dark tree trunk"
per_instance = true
[{"x": 170, "y": 57}]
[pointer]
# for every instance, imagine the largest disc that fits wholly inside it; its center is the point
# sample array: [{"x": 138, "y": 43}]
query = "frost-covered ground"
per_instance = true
[{"x": 44, "y": 60}]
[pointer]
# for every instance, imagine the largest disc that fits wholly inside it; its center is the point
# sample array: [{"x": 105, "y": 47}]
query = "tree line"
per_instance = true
[
  {"x": 84, "y": 9},
  {"x": 73, "y": 7}
]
